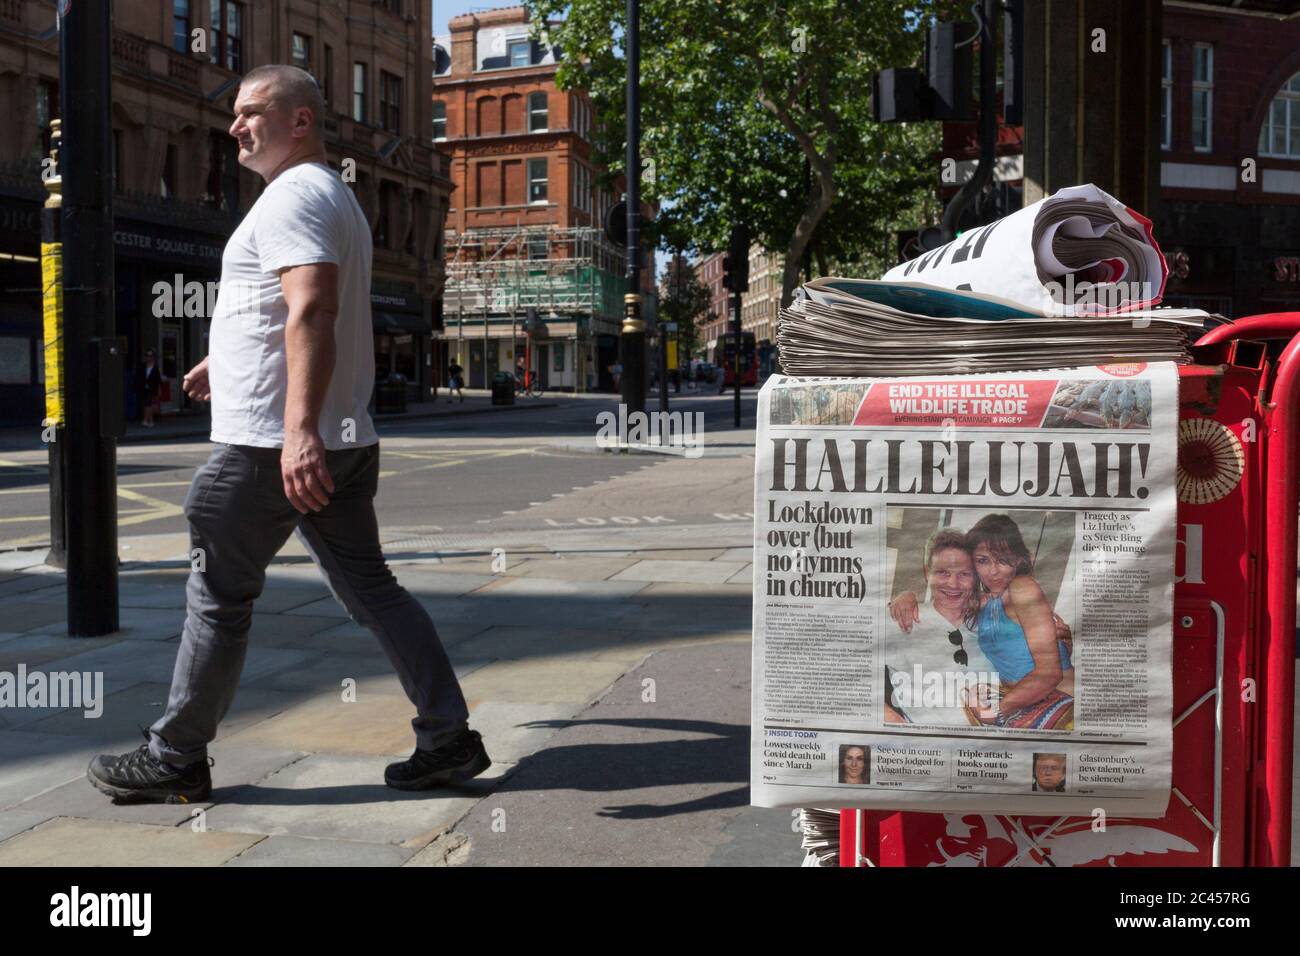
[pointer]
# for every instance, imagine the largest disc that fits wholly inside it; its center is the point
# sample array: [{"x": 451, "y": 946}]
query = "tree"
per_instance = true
[
  {"x": 683, "y": 299},
  {"x": 759, "y": 112}
]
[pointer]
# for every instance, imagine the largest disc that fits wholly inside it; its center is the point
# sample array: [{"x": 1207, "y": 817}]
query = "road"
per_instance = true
[{"x": 514, "y": 470}]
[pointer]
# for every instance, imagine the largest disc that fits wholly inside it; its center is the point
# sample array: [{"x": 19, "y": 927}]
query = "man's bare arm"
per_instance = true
[{"x": 311, "y": 294}]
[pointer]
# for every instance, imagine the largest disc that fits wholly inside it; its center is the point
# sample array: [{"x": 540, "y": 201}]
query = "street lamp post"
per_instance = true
[
  {"x": 93, "y": 354},
  {"x": 632, "y": 340}
]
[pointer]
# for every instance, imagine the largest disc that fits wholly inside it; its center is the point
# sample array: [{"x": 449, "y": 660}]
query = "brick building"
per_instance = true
[
  {"x": 1230, "y": 156},
  {"x": 1227, "y": 130},
  {"x": 524, "y": 233},
  {"x": 759, "y": 307},
  {"x": 716, "y": 320},
  {"x": 179, "y": 188}
]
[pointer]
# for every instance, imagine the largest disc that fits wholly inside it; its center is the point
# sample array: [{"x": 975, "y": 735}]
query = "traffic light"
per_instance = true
[
  {"x": 942, "y": 91},
  {"x": 735, "y": 264},
  {"x": 948, "y": 63}
]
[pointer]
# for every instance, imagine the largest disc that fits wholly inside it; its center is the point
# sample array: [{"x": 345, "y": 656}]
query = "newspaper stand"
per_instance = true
[{"x": 1233, "y": 647}]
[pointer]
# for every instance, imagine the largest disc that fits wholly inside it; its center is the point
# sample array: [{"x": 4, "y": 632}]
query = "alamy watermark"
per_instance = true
[
  {"x": 76, "y": 690},
  {"x": 674, "y": 433}
]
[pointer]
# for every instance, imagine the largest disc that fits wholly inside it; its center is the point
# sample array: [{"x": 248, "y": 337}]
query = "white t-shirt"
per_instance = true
[
  {"x": 305, "y": 215},
  {"x": 928, "y": 646}
]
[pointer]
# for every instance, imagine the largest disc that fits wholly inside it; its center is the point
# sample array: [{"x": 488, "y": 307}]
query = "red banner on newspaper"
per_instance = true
[{"x": 917, "y": 403}]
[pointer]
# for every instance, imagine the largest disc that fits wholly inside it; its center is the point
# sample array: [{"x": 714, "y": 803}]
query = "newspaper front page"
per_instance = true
[{"x": 963, "y": 592}]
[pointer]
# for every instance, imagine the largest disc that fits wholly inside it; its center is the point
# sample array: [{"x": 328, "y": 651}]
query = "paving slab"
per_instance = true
[
  {"x": 22, "y": 613},
  {"x": 37, "y": 763},
  {"x": 569, "y": 568},
  {"x": 125, "y": 711},
  {"x": 22, "y": 560},
  {"x": 593, "y": 591},
  {"x": 511, "y": 731},
  {"x": 371, "y": 670},
  {"x": 744, "y": 576},
  {"x": 303, "y": 851},
  {"x": 136, "y": 624},
  {"x": 686, "y": 572},
  {"x": 681, "y": 554},
  {"x": 734, "y": 595},
  {"x": 13, "y": 822},
  {"x": 67, "y": 841},
  {"x": 343, "y": 797},
  {"x": 376, "y": 723},
  {"x": 557, "y": 680},
  {"x": 124, "y": 663},
  {"x": 43, "y": 587},
  {"x": 233, "y": 767},
  {"x": 516, "y": 642},
  {"x": 36, "y": 649}
]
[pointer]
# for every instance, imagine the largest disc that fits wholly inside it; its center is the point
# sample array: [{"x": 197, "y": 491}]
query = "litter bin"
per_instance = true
[
  {"x": 390, "y": 395},
  {"x": 503, "y": 389}
]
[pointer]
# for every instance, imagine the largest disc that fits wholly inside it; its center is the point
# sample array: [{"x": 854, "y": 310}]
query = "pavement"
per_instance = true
[{"x": 607, "y": 669}]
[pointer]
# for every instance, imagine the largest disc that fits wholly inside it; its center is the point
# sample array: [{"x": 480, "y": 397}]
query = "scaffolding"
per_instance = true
[{"x": 567, "y": 272}]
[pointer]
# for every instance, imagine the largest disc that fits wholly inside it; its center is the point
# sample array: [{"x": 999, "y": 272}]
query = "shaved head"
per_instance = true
[{"x": 289, "y": 88}]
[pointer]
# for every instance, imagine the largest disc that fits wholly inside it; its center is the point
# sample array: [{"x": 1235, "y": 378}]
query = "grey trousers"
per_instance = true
[{"x": 240, "y": 518}]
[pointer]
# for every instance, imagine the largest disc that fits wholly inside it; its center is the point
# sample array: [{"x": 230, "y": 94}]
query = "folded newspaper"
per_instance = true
[
  {"x": 840, "y": 326},
  {"x": 1080, "y": 251},
  {"x": 963, "y": 592}
]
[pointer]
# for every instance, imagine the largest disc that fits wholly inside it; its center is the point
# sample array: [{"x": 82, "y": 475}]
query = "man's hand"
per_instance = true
[
  {"x": 906, "y": 611},
  {"x": 196, "y": 384},
  {"x": 307, "y": 481}
]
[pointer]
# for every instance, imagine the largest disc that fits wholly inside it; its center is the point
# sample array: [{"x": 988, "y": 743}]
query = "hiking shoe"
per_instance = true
[
  {"x": 463, "y": 758},
  {"x": 140, "y": 777}
]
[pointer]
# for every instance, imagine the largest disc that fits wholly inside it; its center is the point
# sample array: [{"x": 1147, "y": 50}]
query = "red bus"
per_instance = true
[{"x": 723, "y": 356}]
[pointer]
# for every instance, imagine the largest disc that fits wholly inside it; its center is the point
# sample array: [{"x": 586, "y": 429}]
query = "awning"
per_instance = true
[{"x": 399, "y": 322}]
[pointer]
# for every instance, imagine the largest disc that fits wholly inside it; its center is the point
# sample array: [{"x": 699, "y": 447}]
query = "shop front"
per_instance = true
[
  {"x": 402, "y": 339},
  {"x": 22, "y": 392}
]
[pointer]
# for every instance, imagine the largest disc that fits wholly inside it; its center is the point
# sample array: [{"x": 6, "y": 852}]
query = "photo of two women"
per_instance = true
[{"x": 987, "y": 596}]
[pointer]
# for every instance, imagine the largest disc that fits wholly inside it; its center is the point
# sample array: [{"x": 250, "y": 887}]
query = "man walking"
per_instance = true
[{"x": 289, "y": 376}]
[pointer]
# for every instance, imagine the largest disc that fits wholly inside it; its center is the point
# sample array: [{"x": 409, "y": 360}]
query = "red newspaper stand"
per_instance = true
[{"x": 1233, "y": 651}]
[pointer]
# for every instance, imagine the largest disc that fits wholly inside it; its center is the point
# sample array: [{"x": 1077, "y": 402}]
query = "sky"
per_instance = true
[{"x": 444, "y": 10}]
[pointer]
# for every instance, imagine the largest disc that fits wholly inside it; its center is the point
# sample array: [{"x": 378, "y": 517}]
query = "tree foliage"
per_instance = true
[{"x": 759, "y": 111}]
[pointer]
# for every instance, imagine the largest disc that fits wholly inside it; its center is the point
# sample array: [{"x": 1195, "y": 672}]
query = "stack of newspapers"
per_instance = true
[{"x": 1071, "y": 280}]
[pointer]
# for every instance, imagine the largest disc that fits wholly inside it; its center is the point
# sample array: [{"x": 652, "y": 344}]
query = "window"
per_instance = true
[
  {"x": 536, "y": 112},
  {"x": 223, "y": 171},
  {"x": 1202, "y": 96},
  {"x": 537, "y": 181},
  {"x": 226, "y": 43},
  {"x": 181, "y": 26},
  {"x": 359, "y": 92},
  {"x": 1166, "y": 95},
  {"x": 557, "y": 349},
  {"x": 537, "y": 248},
  {"x": 1280, "y": 134},
  {"x": 439, "y": 120},
  {"x": 393, "y": 6},
  {"x": 384, "y": 220},
  {"x": 390, "y": 102},
  {"x": 520, "y": 52},
  {"x": 117, "y": 160},
  {"x": 581, "y": 187},
  {"x": 327, "y": 88},
  {"x": 47, "y": 108},
  {"x": 168, "y": 185},
  {"x": 300, "y": 54}
]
